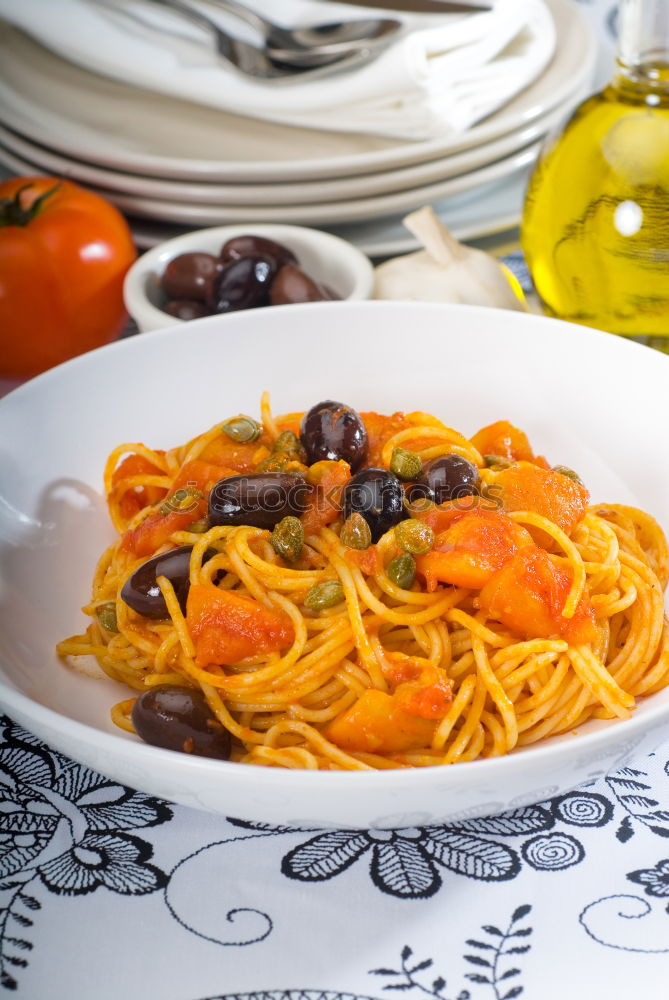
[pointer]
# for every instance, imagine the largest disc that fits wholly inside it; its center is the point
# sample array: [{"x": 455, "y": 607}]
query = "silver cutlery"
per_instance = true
[
  {"x": 425, "y": 6},
  {"x": 317, "y": 44},
  {"x": 259, "y": 63}
]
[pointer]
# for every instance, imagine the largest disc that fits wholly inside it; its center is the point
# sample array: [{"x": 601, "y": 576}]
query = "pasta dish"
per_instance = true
[{"x": 344, "y": 591}]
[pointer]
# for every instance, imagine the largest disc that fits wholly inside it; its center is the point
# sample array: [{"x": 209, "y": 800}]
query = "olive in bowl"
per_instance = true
[
  {"x": 249, "y": 272},
  {"x": 299, "y": 265}
]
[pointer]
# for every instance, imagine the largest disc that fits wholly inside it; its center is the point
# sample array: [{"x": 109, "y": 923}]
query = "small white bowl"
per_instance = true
[{"x": 325, "y": 258}]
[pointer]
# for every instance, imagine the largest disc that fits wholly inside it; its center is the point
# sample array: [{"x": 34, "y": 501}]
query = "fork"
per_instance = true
[
  {"x": 255, "y": 62},
  {"x": 319, "y": 44}
]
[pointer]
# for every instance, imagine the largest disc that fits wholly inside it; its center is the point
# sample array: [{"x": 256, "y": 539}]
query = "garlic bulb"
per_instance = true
[{"x": 446, "y": 270}]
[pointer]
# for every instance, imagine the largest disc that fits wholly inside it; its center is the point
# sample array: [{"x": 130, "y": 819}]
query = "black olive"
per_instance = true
[
  {"x": 190, "y": 276},
  {"x": 179, "y": 718},
  {"x": 292, "y": 285},
  {"x": 141, "y": 592},
  {"x": 186, "y": 309},
  {"x": 242, "y": 284},
  {"x": 378, "y": 496},
  {"x": 259, "y": 499},
  {"x": 250, "y": 246},
  {"x": 331, "y": 431},
  {"x": 446, "y": 478}
]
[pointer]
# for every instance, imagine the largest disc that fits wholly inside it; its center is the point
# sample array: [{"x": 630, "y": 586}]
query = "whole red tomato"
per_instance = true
[{"x": 64, "y": 252}]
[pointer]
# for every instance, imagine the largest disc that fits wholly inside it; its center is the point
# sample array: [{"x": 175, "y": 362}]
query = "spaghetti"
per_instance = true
[{"x": 525, "y": 613}]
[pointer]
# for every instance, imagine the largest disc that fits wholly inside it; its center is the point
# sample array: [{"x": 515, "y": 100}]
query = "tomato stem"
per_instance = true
[{"x": 13, "y": 213}]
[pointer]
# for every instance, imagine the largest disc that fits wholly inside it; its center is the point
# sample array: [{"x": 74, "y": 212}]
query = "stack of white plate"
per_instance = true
[{"x": 171, "y": 165}]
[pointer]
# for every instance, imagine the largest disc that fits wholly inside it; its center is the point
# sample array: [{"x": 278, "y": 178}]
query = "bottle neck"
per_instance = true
[{"x": 643, "y": 43}]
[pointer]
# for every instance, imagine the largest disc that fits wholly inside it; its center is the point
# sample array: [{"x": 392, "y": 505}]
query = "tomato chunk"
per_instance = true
[
  {"x": 227, "y": 627},
  {"x": 235, "y": 455},
  {"x": 528, "y": 595},
  {"x": 202, "y": 475},
  {"x": 403, "y": 719},
  {"x": 134, "y": 500},
  {"x": 324, "y": 504},
  {"x": 158, "y": 527},
  {"x": 381, "y": 428},
  {"x": 376, "y": 723},
  {"x": 367, "y": 560},
  {"x": 505, "y": 440},
  {"x": 421, "y": 688},
  {"x": 468, "y": 552},
  {"x": 441, "y": 516},
  {"x": 554, "y": 496}
]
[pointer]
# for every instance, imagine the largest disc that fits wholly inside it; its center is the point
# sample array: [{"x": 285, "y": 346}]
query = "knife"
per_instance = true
[{"x": 424, "y": 6}]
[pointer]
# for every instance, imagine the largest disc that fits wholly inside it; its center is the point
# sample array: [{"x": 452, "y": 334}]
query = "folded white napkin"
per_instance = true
[{"x": 445, "y": 73}]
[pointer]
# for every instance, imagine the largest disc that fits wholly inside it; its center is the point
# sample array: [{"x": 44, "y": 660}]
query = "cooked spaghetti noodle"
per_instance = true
[{"x": 531, "y": 613}]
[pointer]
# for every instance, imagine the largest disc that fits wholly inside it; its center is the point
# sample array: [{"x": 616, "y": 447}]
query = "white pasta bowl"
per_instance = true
[
  {"x": 327, "y": 259},
  {"x": 586, "y": 399}
]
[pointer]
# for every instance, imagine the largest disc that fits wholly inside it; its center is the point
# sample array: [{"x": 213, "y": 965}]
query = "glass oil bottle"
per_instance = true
[{"x": 595, "y": 229}]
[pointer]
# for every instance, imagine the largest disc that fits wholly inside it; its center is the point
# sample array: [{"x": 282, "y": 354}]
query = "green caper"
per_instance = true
[
  {"x": 402, "y": 571},
  {"x": 288, "y": 538},
  {"x": 497, "y": 461},
  {"x": 242, "y": 429},
  {"x": 107, "y": 616},
  {"x": 406, "y": 465},
  {"x": 180, "y": 500},
  {"x": 273, "y": 463},
  {"x": 199, "y": 527},
  {"x": 414, "y": 536},
  {"x": 564, "y": 470},
  {"x": 288, "y": 443},
  {"x": 282, "y": 463},
  {"x": 355, "y": 532},
  {"x": 324, "y": 595}
]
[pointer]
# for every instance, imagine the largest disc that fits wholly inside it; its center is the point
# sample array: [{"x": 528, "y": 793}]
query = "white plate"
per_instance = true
[
  {"x": 306, "y": 192},
  {"x": 53, "y": 522},
  {"x": 489, "y": 209},
  {"x": 324, "y": 213},
  {"x": 484, "y": 211},
  {"x": 108, "y": 123},
  {"x": 493, "y": 208}
]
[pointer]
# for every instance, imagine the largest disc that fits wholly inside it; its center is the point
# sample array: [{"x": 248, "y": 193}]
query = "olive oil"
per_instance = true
[{"x": 596, "y": 222}]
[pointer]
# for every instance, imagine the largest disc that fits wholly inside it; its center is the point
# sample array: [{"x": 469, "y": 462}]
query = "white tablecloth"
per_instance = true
[{"x": 108, "y": 893}]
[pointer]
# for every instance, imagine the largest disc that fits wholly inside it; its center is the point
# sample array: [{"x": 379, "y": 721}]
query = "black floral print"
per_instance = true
[
  {"x": 290, "y": 995},
  {"x": 403, "y": 863},
  {"x": 118, "y": 862},
  {"x": 489, "y": 954},
  {"x": 69, "y": 831},
  {"x": 496, "y": 970},
  {"x": 654, "y": 880},
  {"x": 409, "y": 863},
  {"x": 413, "y": 975},
  {"x": 632, "y": 792},
  {"x": 64, "y": 826},
  {"x": 582, "y": 809},
  {"x": 553, "y": 852}
]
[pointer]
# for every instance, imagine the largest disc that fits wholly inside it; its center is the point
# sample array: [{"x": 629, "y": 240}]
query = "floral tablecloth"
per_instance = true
[{"x": 107, "y": 893}]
